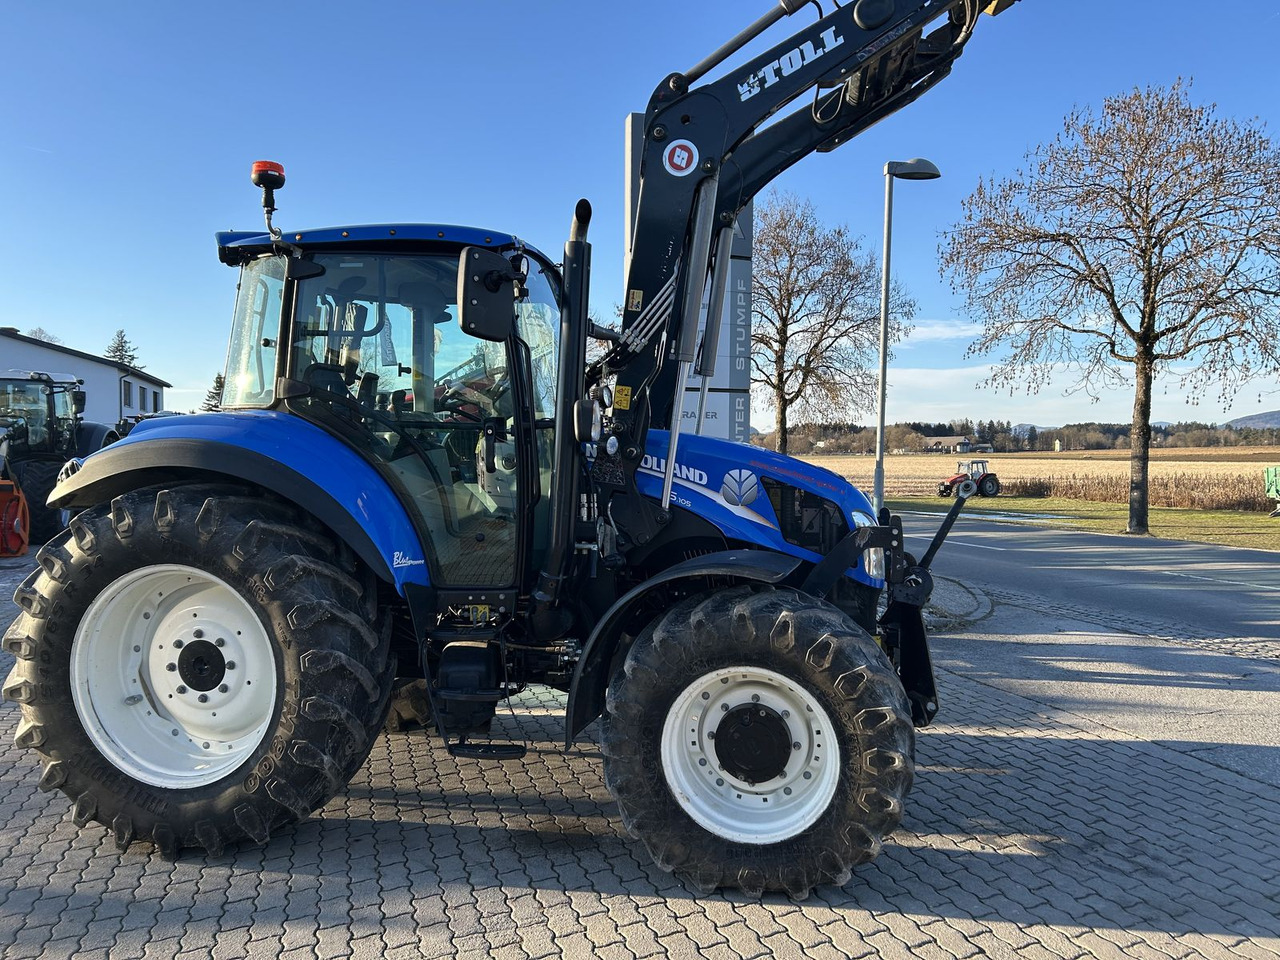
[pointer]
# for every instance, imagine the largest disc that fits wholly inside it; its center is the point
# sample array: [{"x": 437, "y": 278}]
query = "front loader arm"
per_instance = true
[{"x": 707, "y": 152}]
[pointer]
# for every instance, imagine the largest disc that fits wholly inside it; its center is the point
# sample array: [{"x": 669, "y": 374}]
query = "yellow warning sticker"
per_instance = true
[
  {"x": 635, "y": 299},
  {"x": 621, "y": 398}
]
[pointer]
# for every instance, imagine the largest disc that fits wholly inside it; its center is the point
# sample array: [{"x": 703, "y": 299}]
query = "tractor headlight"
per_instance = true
[{"x": 872, "y": 557}]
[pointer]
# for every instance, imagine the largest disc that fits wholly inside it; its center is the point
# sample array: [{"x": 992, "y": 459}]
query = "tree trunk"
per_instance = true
[
  {"x": 1140, "y": 446},
  {"x": 780, "y": 425}
]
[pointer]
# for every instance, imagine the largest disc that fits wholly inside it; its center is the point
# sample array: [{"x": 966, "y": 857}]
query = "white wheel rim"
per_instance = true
[
  {"x": 145, "y": 654},
  {"x": 734, "y": 808}
]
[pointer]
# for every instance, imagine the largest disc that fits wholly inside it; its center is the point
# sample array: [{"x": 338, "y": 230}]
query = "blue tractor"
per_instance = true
[{"x": 418, "y": 483}]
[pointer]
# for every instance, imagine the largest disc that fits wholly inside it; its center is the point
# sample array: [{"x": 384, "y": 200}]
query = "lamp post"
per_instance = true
[{"x": 915, "y": 169}]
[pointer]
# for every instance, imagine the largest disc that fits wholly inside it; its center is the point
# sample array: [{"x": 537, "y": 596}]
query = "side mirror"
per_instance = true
[
  {"x": 295, "y": 268},
  {"x": 78, "y": 400},
  {"x": 486, "y": 294}
]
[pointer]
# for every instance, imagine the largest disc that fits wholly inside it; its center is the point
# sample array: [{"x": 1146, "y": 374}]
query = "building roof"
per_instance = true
[
  {"x": 13, "y": 334},
  {"x": 948, "y": 441}
]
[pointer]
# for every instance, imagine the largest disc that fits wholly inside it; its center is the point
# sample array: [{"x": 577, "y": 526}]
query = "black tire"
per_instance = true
[
  {"x": 990, "y": 486},
  {"x": 859, "y": 602},
  {"x": 811, "y": 644},
  {"x": 333, "y": 676},
  {"x": 36, "y": 480}
]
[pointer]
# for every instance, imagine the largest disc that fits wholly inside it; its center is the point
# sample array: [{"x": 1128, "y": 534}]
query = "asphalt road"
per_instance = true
[
  {"x": 1162, "y": 641},
  {"x": 1163, "y": 587}
]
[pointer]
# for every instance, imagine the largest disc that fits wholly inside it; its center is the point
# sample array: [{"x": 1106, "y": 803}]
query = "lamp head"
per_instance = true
[{"x": 913, "y": 169}]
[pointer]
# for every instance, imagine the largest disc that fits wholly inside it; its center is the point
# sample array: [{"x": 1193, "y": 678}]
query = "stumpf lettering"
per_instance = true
[{"x": 788, "y": 64}]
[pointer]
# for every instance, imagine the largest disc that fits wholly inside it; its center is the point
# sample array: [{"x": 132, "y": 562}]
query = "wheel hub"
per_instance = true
[
  {"x": 201, "y": 665},
  {"x": 753, "y": 743}
]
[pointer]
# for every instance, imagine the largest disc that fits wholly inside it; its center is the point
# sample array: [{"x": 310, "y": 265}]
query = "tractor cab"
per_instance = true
[
  {"x": 360, "y": 334},
  {"x": 975, "y": 470},
  {"x": 38, "y": 413}
]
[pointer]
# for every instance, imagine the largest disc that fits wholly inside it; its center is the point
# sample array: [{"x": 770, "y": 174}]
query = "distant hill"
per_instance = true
[
  {"x": 1021, "y": 429},
  {"x": 1257, "y": 420}
]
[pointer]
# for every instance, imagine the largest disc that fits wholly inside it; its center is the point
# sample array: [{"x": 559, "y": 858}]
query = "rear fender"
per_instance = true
[
  {"x": 278, "y": 452},
  {"x": 92, "y": 437},
  {"x": 607, "y": 643}
]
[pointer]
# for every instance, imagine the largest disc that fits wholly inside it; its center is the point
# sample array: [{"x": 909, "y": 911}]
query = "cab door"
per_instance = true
[{"x": 377, "y": 338}]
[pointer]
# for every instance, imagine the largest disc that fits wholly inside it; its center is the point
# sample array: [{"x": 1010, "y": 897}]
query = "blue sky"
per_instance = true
[{"x": 127, "y": 132}]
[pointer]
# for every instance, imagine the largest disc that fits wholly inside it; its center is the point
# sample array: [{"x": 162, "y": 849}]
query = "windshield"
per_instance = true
[
  {"x": 23, "y": 404},
  {"x": 251, "y": 352}
]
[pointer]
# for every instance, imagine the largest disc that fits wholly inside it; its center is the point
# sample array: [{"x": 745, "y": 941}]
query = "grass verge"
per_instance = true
[{"x": 1229, "y": 527}]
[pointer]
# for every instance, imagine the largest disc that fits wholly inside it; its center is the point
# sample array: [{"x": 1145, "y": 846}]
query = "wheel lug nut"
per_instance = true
[
  {"x": 219, "y": 642},
  {"x": 705, "y": 695},
  {"x": 198, "y": 633},
  {"x": 724, "y": 708},
  {"x": 711, "y": 735},
  {"x": 177, "y": 644},
  {"x": 755, "y": 698},
  {"x": 223, "y": 689},
  {"x": 231, "y": 664},
  {"x": 785, "y": 714},
  {"x": 171, "y": 667},
  {"x": 182, "y": 689},
  {"x": 203, "y": 698},
  {"x": 796, "y": 745}
]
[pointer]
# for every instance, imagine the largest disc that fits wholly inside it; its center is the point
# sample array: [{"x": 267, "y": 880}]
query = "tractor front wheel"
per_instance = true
[
  {"x": 758, "y": 738},
  {"x": 196, "y": 667}
]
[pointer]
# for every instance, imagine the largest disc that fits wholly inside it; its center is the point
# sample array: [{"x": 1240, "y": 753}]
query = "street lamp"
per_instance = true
[{"x": 915, "y": 169}]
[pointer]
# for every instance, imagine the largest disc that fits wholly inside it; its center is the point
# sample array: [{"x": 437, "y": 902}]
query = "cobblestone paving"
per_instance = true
[{"x": 1025, "y": 836}]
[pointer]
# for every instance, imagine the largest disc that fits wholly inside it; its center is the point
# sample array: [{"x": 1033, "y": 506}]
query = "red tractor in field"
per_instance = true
[{"x": 975, "y": 470}]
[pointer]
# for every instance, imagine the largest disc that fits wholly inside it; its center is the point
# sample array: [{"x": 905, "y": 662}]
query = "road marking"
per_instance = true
[
  {"x": 1237, "y": 583},
  {"x": 958, "y": 543}
]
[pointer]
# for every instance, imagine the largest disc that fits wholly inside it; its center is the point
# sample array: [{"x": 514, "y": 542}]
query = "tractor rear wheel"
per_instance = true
[
  {"x": 990, "y": 486},
  {"x": 196, "y": 667},
  {"x": 758, "y": 738},
  {"x": 36, "y": 480}
]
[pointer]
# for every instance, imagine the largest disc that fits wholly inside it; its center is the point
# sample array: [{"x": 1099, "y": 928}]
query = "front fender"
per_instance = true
[
  {"x": 591, "y": 676},
  {"x": 276, "y": 451}
]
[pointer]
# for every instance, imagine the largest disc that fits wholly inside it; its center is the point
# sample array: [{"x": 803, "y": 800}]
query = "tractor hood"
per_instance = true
[{"x": 739, "y": 487}]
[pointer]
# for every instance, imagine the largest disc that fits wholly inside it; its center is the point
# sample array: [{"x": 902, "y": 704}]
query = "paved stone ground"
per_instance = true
[{"x": 1030, "y": 833}]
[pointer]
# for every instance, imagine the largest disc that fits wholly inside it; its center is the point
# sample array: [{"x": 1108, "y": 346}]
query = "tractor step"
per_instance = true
[
  {"x": 471, "y": 696},
  {"x": 488, "y": 751}
]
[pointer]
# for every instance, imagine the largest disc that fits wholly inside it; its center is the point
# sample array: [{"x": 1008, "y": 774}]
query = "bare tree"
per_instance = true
[
  {"x": 40, "y": 333},
  {"x": 1143, "y": 241},
  {"x": 815, "y": 298}
]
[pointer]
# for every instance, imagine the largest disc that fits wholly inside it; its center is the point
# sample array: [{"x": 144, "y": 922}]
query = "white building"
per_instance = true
[{"x": 114, "y": 390}]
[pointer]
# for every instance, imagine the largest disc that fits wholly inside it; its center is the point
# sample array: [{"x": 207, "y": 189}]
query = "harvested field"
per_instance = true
[{"x": 1201, "y": 478}]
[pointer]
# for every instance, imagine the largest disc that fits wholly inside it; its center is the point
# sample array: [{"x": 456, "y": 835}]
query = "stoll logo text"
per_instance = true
[
  {"x": 659, "y": 465},
  {"x": 788, "y": 64}
]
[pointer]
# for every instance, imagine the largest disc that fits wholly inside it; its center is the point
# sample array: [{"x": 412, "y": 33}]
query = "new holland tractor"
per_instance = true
[{"x": 416, "y": 474}]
